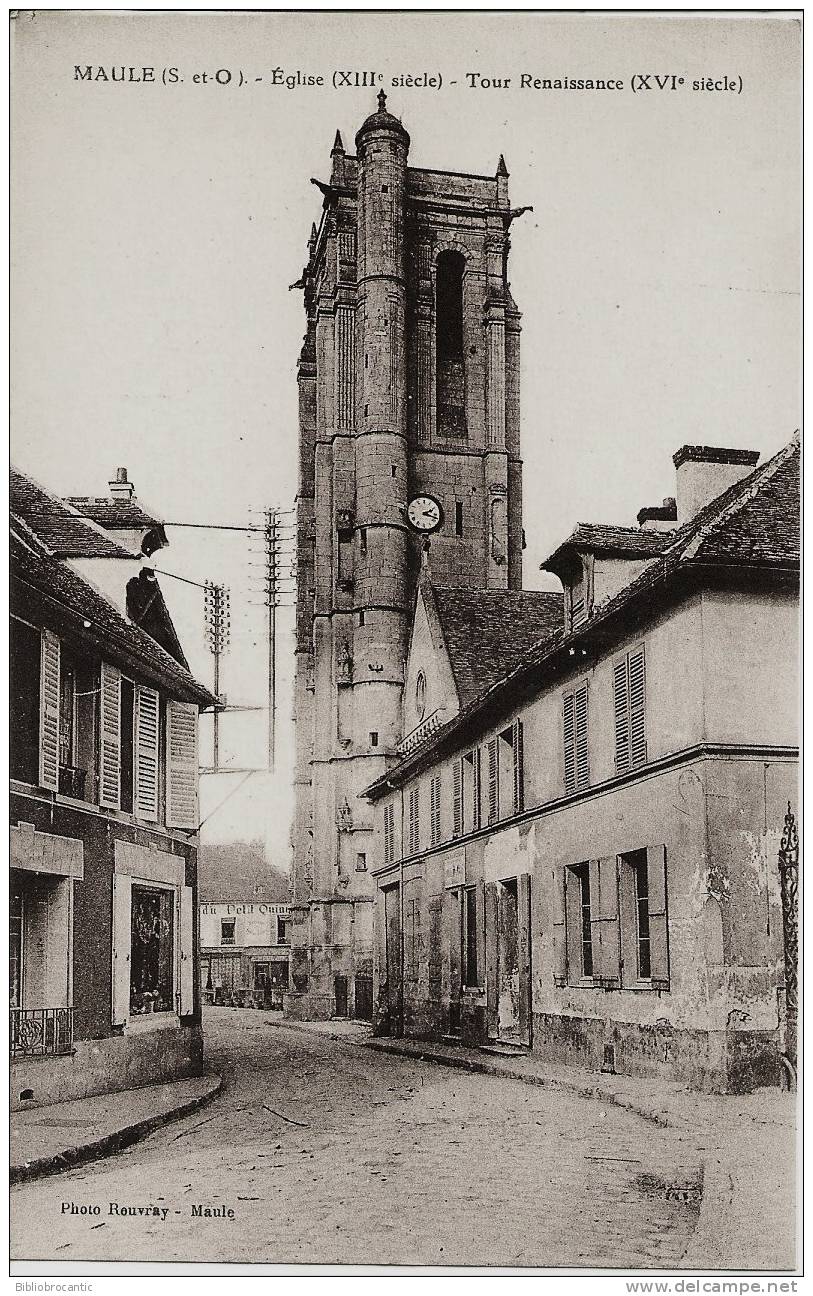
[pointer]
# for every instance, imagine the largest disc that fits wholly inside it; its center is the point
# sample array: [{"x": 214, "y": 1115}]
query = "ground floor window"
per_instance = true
[
  {"x": 152, "y": 947},
  {"x": 470, "y": 969}
]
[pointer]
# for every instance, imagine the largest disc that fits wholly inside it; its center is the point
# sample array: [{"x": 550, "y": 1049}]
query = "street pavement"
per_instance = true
[{"x": 319, "y": 1150}]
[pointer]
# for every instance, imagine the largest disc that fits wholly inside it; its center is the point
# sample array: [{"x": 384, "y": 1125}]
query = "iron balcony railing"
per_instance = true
[{"x": 40, "y": 1032}]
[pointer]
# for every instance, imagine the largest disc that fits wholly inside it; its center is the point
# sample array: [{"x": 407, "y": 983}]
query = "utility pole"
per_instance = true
[
  {"x": 272, "y": 536},
  {"x": 217, "y": 629}
]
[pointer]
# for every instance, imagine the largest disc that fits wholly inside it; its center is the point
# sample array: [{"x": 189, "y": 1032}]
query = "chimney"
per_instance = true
[
  {"x": 120, "y": 487},
  {"x": 661, "y": 517},
  {"x": 704, "y": 472}
]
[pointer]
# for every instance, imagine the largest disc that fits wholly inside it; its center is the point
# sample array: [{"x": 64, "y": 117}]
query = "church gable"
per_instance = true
[{"x": 430, "y": 693}]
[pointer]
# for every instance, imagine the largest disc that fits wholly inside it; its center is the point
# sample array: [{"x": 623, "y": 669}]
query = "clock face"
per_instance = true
[{"x": 424, "y": 513}]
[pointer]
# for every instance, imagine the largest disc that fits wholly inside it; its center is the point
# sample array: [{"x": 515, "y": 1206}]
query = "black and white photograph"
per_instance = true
[{"x": 404, "y": 644}]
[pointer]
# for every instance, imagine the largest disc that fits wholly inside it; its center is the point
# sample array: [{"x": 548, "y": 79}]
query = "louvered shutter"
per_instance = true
[
  {"x": 435, "y": 810},
  {"x": 389, "y": 824},
  {"x": 182, "y": 765},
  {"x": 569, "y": 731},
  {"x": 481, "y": 933},
  {"x": 637, "y": 703},
  {"x": 622, "y": 724},
  {"x": 493, "y": 783},
  {"x": 110, "y": 738},
  {"x": 582, "y": 743},
  {"x": 524, "y": 950},
  {"x": 559, "y": 926},
  {"x": 658, "y": 917},
  {"x": 457, "y": 798},
  {"x": 606, "y": 928},
  {"x": 146, "y": 754},
  {"x": 122, "y": 919},
  {"x": 477, "y": 791},
  {"x": 187, "y": 948},
  {"x": 519, "y": 767},
  {"x": 49, "y": 711}
]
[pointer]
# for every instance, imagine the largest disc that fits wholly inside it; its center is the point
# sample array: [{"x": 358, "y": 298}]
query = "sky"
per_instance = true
[{"x": 156, "y": 229}]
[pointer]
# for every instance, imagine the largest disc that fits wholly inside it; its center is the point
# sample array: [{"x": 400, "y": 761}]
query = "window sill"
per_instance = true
[{"x": 145, "y": 1023}]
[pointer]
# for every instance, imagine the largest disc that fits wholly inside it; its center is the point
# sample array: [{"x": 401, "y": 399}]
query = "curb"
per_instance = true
[
  {"x": 585, "y": 1090},
  {"x": 109, "y": 1144}
]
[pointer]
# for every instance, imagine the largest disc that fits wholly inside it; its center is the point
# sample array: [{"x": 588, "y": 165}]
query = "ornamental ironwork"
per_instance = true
[
  {"x": 789, "y": 882},
  {"x": 40, "y": 1032}
]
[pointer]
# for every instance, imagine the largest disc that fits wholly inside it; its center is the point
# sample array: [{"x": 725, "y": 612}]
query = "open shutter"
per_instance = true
[
  {"x": 122, "y": 911},
  {"x": 519, "y": 769},
  {"x": 621, "y": 706},
  {"x": 637, "y": 700},
  {"x": 605, "y": 921},
  {"x": 493, "y": 783},
  {"x": 559, "y": 926},
  {"x": 524, "y": 952},
  {"x": 182, "y": 765},
  {"x": 492, "y": 994},
  {"x": 658, "y": 917},
  {"x": 569, "y": 730},
  {"x": 146, "y": 754},
  {"x": 110, "y": 738},
  {"x": 49, "y": 711},
  {"x": 187, "y": 945},
  {"x": 477, "y": 789},
  {"x": 434, "y": 793},
  {"x": 457, "y": 798},
  {"x": 582, "y": 745}
]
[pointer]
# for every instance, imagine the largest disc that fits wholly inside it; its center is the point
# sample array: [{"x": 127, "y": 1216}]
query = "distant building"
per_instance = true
[
  {"x": 409, "y": 427},
  {"x": 104, "y": 807},
  {"x": 244, "y": 925},
  {"x": 578, "y": 851},
  {"x": 245, "y": 949}
]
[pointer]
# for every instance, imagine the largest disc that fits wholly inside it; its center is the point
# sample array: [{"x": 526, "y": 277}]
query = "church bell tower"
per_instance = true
[{"x": 408, "y": 387}]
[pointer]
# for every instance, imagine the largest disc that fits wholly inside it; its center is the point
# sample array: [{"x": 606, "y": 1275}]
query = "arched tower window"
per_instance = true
[{"x": 451, "y": 379}]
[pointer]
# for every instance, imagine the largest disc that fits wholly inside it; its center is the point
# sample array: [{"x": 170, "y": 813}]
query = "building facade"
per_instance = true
[
  {"x": 584, "y": 860},
  {"x": 104, "y": 818},
  {"x": 409, "y": 422},
  {"x": 244, "y": 953}
]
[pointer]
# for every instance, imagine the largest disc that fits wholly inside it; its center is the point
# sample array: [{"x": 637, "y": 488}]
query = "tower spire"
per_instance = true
[
  {"x": 382, "y": 102},
  {"x": 338, "y": 146}
]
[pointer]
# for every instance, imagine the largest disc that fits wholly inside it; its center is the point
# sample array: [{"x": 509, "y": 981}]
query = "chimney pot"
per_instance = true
[{"x": 121, "y": 488}]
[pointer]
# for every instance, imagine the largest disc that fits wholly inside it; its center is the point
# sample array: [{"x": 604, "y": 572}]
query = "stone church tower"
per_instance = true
[{"x": 408, "y": 385}]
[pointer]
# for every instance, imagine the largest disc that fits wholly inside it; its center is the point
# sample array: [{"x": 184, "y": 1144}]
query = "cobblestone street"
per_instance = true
[{"x": 328, "y": 1152}]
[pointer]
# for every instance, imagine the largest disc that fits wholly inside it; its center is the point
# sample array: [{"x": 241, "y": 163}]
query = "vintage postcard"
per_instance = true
[{"x": 404, "y": 546}]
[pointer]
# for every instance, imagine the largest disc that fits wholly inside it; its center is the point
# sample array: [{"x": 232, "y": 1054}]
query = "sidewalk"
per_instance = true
[
  {"x": 748, "y": 1213},
  {"x": 59, "y": 1136}
]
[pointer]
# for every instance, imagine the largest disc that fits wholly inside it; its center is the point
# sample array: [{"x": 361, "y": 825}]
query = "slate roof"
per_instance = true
[
  {"x": 64, "y": 531},
  {"x": 489, "y": 632},
  {"x": 113, "y": 513},
  {"x": 753, "y": 525},
  {"x": 123, "y": 642},
  {"x": 612, "y": 541}
]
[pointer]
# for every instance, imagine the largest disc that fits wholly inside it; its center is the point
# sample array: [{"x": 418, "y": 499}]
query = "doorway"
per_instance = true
[
  {"x": 392, "y": 923},
  {"x": 508, "y": 926}
]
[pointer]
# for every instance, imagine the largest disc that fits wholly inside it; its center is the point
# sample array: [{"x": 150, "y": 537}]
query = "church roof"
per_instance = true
[{"x": 489, "y": 632}]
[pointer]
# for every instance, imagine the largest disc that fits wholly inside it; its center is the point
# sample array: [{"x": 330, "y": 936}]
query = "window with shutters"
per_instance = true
[
  {"x": 434, "y": 798},
  {"x": 629, "y": 703},
  {"x": 389, "y": 833},
  {"x": 24, "y": 719},
  {"x": 576, "y": 741},
  {"x": 579, "y": 918},
  {"x": 644, "y": 928},
  {"x": 510, "y": 773},
  {"x": 457, "y": 797},
  {"x": 414, "y": 819},
  {"x": 182, "y": 765},
  {"x": 470, "y": 936}
]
